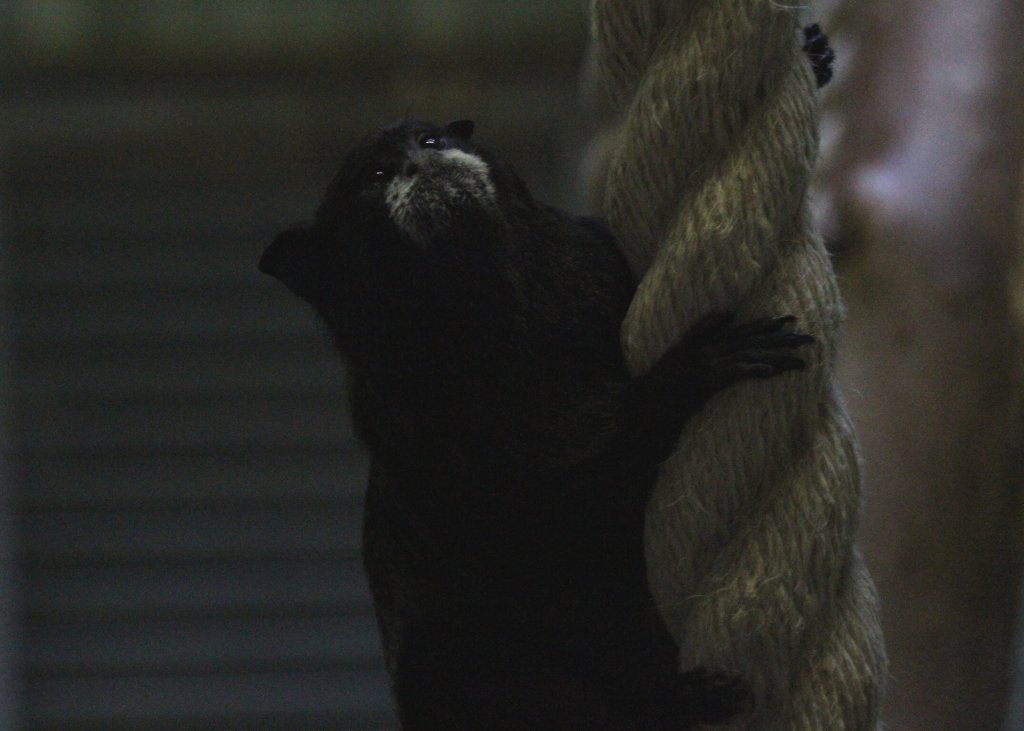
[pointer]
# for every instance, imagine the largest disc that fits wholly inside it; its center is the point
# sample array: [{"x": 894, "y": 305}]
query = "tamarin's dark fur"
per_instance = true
[{"x": 512, "y": 454}]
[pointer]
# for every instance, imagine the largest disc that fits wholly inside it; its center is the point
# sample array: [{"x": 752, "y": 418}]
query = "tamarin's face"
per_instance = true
[
  {"x": 438, "y": 180},
  {"x": 399, "y": 196}
]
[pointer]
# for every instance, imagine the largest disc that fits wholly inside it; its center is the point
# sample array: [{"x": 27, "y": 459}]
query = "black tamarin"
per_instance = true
[{"x": 512, "y": 454}]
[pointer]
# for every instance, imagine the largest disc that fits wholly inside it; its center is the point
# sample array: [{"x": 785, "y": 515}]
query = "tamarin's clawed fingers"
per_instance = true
[{"x": 821, "y": 54}]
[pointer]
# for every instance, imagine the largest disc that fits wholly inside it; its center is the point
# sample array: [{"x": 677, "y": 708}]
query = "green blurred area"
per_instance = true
[
  {"x": 314, "y": 73},
  {"x": 246, "y": 35}
]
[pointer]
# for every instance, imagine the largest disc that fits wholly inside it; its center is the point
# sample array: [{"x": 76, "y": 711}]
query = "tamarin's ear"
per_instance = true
[
  {"x": 293, "y": 258},
  {"x": 462, "y": 128}
]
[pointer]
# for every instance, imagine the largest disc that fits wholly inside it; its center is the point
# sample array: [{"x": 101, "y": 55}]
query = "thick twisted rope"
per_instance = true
[{"x": 751, "y": 526}]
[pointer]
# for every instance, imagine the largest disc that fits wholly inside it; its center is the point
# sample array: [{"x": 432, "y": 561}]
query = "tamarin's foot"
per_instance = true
[
  {"x": 821, "y": 54},
  {"x": 701, "y": 697},
  {"x": 728, "y": 353},
  {"x": 757, "y": 349}
]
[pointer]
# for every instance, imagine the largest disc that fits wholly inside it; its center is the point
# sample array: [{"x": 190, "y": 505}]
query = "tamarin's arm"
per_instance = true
[{"x": 715, "y": 354}]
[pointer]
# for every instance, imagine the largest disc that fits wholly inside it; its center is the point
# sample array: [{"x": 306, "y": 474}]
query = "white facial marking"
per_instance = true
[
  {"x": 431, "y": 198},
  {"x": 474, "y": 168}
]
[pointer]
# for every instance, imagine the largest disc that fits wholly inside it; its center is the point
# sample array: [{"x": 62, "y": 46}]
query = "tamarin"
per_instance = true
[
  {"x": 818, "y": 50},
  {"x": 512, "y": 453}
]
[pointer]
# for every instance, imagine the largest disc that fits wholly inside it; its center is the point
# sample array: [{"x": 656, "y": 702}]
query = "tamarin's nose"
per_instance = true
[{"x": 409, "y": 168}]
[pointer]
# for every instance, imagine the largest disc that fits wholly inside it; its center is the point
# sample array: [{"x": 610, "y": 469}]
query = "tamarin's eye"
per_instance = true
[{"x": 431, "y": 142}]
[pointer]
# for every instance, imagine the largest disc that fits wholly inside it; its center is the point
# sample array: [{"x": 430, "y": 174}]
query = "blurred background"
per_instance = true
[{"x": 181, "y": 489}]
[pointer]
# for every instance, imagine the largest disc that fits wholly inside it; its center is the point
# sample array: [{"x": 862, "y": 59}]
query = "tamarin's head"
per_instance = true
[{"x": 406, "y": 201}]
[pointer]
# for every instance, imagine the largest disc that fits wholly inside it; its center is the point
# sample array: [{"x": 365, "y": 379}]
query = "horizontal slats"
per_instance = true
[
  {"x": 311, "y": 699},
  {"x": 263, "y": 34},
  {"x": 176, "y": 139},
  {"x": 172, "y": 420},
  {"x": 208, "y": 476},
  {"x": 232, "y": 141},
  {"x": 267, "y": 586},
  {"x": 77, "y": 242},
  {"x": 80, "y": 538},
  {"x": 201, "y": 645},
  {"x": 220, "y": 311},
  {"x": 303, "y": 362}
]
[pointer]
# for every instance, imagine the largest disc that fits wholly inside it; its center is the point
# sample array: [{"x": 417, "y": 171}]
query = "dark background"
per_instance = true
[
  {"x": 184, "y": 488},
  {"x": 181, "y": 491}
]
